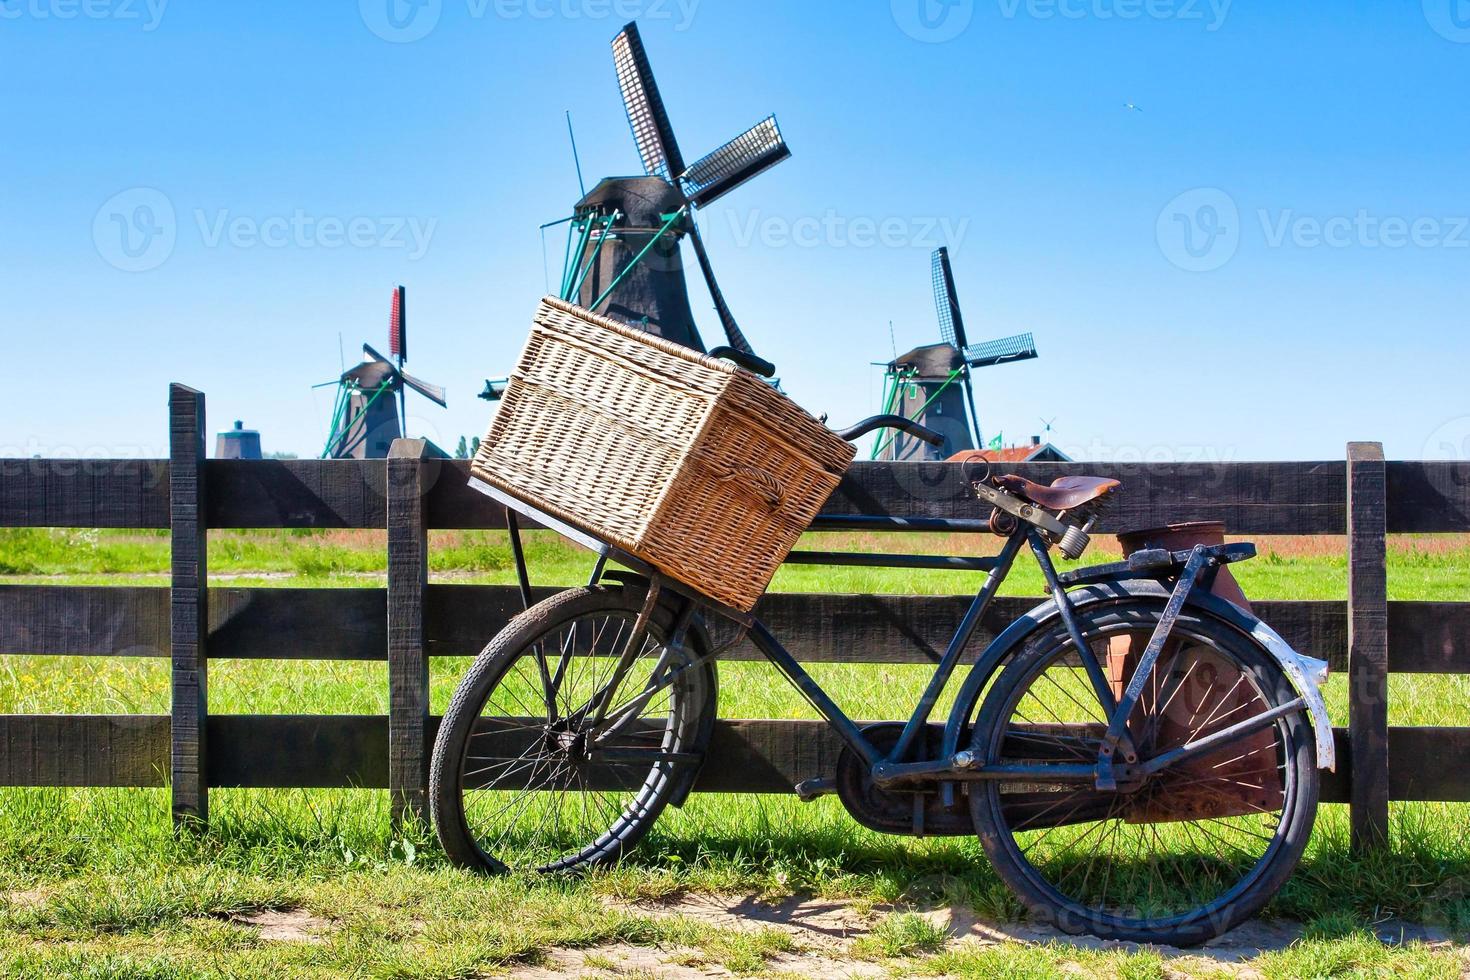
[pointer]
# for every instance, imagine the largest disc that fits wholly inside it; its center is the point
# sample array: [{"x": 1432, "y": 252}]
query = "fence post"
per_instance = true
[
  {"x": 1367, "y": 528},
  {"x": 411, "y": 472},
  {"x": 188, "y": 607}
]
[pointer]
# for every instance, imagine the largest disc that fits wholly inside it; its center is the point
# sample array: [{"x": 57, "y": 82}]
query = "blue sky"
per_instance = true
[{"x": 1264, "y": 259}]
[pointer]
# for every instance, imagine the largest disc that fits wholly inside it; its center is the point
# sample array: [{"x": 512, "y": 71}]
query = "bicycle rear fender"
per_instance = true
[{"x": 1305, "y": 673}]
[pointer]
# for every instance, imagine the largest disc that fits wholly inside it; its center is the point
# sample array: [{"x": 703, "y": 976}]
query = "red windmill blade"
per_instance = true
[{"x": 398, "y": 325}]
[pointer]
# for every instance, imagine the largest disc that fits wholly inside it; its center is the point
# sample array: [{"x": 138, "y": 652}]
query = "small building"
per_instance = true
[
  {"x": 237, "y": 443},
  {"x": 1035, "y": 452}
]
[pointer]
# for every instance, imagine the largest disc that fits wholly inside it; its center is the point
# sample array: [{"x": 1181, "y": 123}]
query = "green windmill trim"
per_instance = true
[
  {"x": 344, "y": 398},
  {"x": 893, "y": 433}
]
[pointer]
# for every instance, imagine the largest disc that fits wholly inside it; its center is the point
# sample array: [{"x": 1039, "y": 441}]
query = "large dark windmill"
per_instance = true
[
  {"x": 372, "y": 399},
  {"x": 627, "y": 263},
  {"x": 933, "y": 384}
]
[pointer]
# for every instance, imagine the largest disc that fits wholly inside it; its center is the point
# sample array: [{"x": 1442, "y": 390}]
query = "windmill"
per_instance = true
[
  {"x": 372, "y": 398},
  {"x": 933, "y": 384},
  {"x": 626, "y": 262}
]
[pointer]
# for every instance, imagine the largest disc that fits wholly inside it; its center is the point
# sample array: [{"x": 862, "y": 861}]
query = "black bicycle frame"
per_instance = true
[
  {"x": 1116, "y": 756},
  {"x": 895, "y": 765}
]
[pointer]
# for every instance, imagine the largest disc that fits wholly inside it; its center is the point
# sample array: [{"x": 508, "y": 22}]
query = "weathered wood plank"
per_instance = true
[
  {"x": 297, "y": 493},
  {"x": 84, "y": 750},
  {"x": 409, "y": 473},
  {"x": 63, "y": 620},
  {"x": 188, "y": 605},
  {"x": 113, "y": 493},
  {"x": 748, "y": 755},
  {"x": 1251, "y": 498},
  {"x": 311, "y": 751},
  {"x": 1368, "y": 644},
  {"x": 351, "y": 624},
  {"x": 298, "y": 624},
  {"x": 1428, "y": 496}
]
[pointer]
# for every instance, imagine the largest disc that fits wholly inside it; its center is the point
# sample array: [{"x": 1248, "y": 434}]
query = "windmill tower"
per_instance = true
[
  {"x": 627, "y": 260},
  {"x": 933, "y": 384},
  {"x": 372, "y": 398}
]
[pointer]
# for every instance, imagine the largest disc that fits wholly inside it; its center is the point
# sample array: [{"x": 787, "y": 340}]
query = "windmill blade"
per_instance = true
[
  {"x": 946, "y": 303},
  {"x": 727, "y": 320},
  {"x": 432, "y": 392},
  {"x": 398, "y": 325},
  {"x": 759, "y": 148},
  {"x": 646, "y": 113},
  {"x": 1018, "y": 348}
]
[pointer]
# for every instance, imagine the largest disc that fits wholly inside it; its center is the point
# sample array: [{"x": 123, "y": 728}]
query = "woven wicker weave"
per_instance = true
[{"x": 698, "y": 468}]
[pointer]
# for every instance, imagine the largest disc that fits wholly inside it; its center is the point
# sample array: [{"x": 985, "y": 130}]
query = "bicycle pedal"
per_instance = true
[{"x": 809, "y": 789}]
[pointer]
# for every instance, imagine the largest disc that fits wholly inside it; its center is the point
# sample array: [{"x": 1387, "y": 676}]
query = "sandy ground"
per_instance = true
[{"x": 823, "y": 931}]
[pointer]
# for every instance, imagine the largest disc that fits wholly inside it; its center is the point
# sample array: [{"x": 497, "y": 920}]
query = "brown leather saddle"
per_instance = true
[{"x": 1065, "y": 493}]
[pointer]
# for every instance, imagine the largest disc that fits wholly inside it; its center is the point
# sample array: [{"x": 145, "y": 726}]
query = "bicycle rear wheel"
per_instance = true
[
  {"x": 528, "y": 773},
  {"x": 1178, "y": 857}
]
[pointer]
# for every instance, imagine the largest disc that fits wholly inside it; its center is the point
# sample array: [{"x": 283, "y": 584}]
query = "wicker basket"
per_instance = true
[{"x": 698, "y": 468}]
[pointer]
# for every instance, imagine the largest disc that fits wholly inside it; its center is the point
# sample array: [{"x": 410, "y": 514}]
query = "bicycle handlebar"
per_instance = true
[
  {"x": 751, "y": 363},
  {"x": 913, "y": 428}
]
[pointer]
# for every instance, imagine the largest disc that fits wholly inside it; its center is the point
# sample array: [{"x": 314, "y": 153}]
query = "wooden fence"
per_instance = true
[{"x": 412, "y": 619}]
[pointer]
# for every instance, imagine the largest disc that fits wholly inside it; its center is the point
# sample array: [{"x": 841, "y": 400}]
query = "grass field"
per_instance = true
[{"x": 94, "y": 882}]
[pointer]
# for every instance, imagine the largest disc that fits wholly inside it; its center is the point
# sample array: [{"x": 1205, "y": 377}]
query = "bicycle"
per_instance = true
[{"x": 1137, "y": 756}]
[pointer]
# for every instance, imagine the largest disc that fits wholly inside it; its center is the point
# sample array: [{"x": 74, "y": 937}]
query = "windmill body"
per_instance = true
[
  {"x": 928, "y": 391},
  {"x": 625, "y": 237},
  {"x": 654, "y": 296},
  {"x": 371, "y": 407},
  {"x": 934, "y": 384}
]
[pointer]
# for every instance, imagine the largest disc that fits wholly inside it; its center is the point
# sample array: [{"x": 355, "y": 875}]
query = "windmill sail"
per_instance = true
[
  {"x": 398, "y": 325},
  {"x": 946, "y": 303},
  {"x": 758, "y": 149},
  {"x": 646, "y": 114},
  {"x": 1021, "y": 347}
]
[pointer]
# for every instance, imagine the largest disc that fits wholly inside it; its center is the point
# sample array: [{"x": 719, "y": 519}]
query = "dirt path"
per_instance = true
[{"x": 823, "y": 932}]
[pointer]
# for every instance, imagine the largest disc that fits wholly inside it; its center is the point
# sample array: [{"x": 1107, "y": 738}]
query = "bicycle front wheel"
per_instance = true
[
  {"x": 1177, "y": 857},
  {"x": 569, "y": 735}
]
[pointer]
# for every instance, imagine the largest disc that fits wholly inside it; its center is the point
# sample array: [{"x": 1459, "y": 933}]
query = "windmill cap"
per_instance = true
[{"x": 931, "y": 361}]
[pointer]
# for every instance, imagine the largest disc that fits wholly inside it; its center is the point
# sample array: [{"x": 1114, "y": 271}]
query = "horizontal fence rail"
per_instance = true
[{"x": 1361, "y": 497}]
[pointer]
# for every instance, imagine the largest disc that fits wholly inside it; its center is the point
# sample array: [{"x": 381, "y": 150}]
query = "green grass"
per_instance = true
[{"x": 110, "y": 890}]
